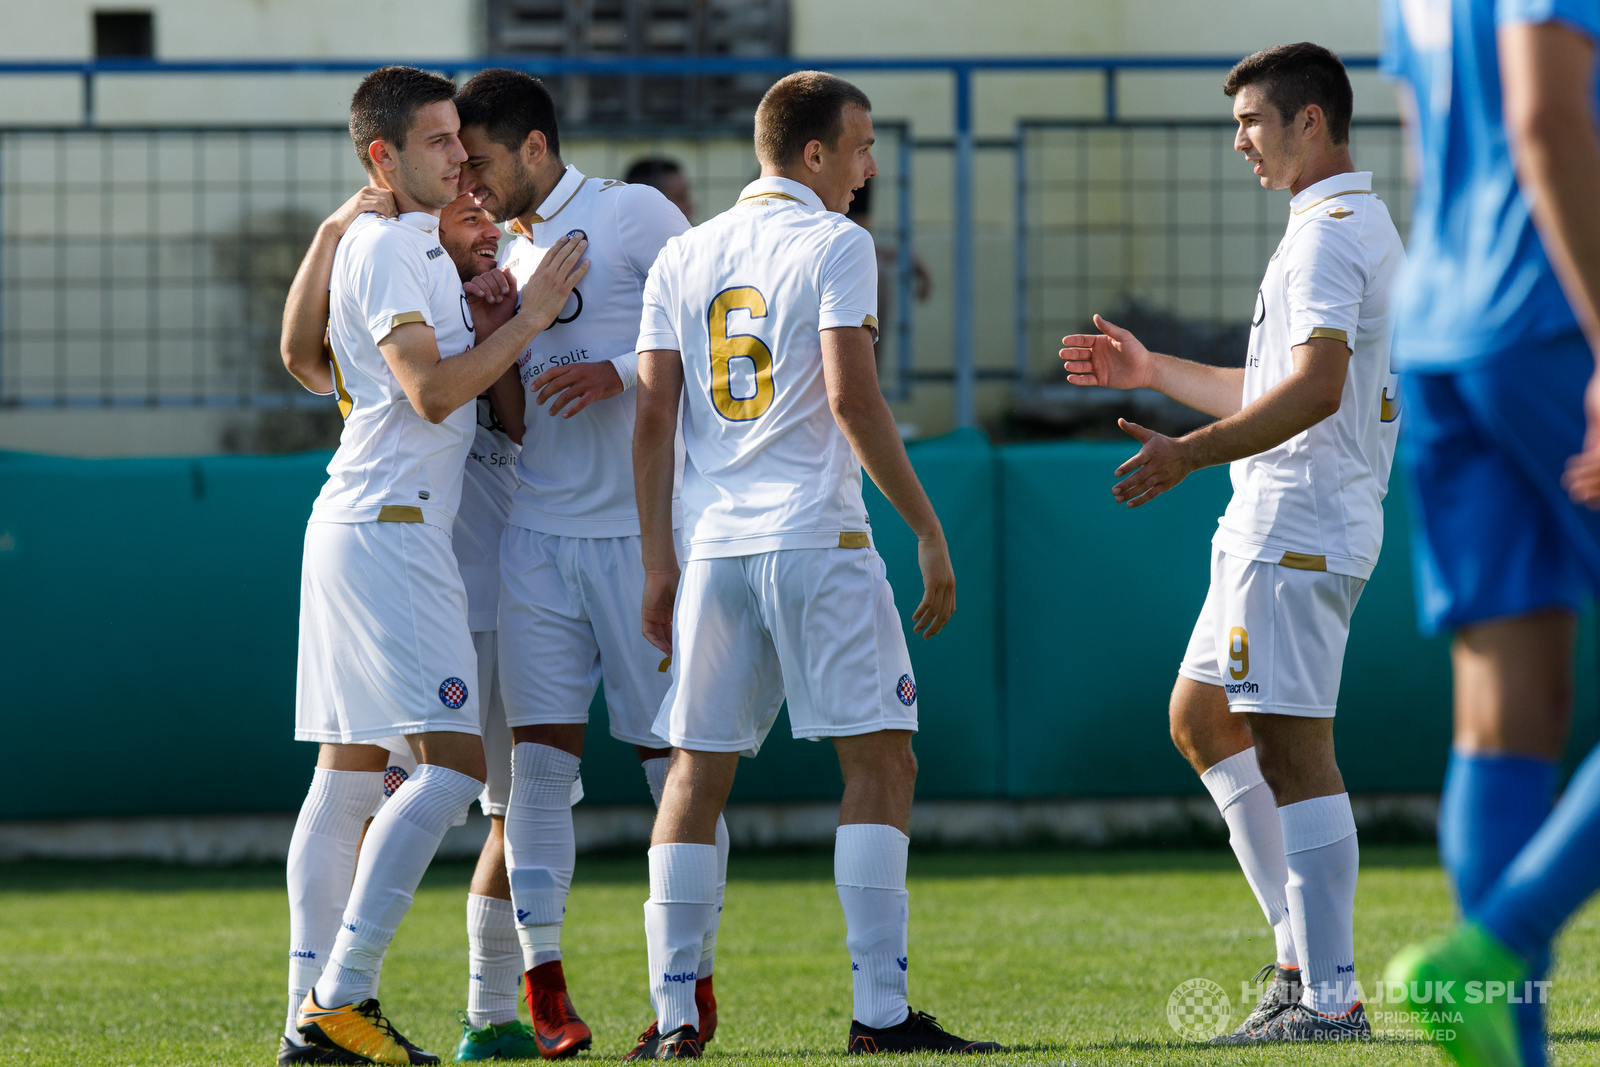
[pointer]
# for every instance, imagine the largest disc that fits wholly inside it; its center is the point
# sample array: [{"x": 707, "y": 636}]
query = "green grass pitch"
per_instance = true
[{"x": 1068, "y": 957}]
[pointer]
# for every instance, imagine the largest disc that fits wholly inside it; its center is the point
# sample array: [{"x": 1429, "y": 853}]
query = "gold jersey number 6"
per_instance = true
[{"x": 727, "y": 347}]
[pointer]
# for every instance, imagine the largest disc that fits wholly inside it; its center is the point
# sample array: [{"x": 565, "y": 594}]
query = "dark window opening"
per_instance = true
[{"x": 124, "y": 34}]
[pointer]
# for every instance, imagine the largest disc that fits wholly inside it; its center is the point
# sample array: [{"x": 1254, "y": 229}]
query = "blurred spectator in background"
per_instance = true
[
  {"x": 667, "y": 176},
  {"x": 860, "y": 213}
]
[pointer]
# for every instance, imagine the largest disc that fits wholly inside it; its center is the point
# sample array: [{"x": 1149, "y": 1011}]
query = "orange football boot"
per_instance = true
[
  {"x": 705, "y": 1002},
  {"x": 556, "y": 1025}
]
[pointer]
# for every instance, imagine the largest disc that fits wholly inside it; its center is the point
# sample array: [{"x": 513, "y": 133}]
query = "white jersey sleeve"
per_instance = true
[
  {"x": 393, "y": 290},
  {"x": 657, "y": 324},
  {"x": 1325, "y": 278},
  {"x": 850, "y": 282}
]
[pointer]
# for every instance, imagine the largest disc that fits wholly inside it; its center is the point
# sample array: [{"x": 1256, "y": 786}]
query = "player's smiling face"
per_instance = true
[
  {"x": 469, "y": 236},
  {"x": 427, "y": 169},
  {"x": 844, "y": 168},
  {"x": 1265, "y": 139},
  {"x": 500, "y": 179}
]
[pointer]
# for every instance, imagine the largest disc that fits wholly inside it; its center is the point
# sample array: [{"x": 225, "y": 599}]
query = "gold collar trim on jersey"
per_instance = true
[
  {"x": 1330, "y": 196},
  {"x": 518, "y": 228},
  {"x": 768, "y": 196}
]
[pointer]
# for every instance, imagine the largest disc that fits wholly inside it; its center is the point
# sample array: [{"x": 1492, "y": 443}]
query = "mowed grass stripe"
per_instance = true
[{"x": 1066, "y": 956}]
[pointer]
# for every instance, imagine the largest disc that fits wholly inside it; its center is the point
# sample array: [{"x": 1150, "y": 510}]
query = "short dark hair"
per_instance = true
[
  {"x": 1294, "y": 75},
  {"x": 650, "y": 170},
  {"x": 509, "y": 105},
  {"x": 387, "y": 100},
  {"x": 804, "y": 107}
]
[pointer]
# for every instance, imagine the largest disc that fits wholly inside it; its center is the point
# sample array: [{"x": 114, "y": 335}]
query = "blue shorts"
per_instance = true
[{"x": 1495, "y": 534}]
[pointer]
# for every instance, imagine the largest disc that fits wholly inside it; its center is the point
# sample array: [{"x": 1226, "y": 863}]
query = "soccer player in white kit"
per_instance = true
[
  {"x": 318, "y": 891},
  {"x": 761, "y": 323},
  {"x": 1309, "y": 429},
  {"x": 570, "y": 558},
  {"x": 385, "y": 647}
]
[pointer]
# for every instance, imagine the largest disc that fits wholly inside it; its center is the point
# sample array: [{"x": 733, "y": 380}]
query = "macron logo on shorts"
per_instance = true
[
  {"x": 452, "y": 692},
  {"x": 906, "y": 690}
]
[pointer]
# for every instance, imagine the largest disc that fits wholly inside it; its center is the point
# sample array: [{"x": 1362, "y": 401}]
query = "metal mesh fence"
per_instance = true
[
  {"x": 1161, "y": 217},
  {"x": 149, "y": 266}
]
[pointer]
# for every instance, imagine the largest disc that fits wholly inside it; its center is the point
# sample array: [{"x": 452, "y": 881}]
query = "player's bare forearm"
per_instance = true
[
  {"x": 1311, "y": 393},
  {"x": 1116, "y": 359},
  {"x": 1548, "y": 72},
  {"x": 509, "y": 403},
  {"x": 1216, "y": 391},
  {"x": 655, "y": 428},
  {"x": 305, "y": 311},
  {"x": 858, "y": 407},
  {"x": 437, "y": 386},
  {"x": 305, "y": 315},
  {"x": 868, "y": 424}
]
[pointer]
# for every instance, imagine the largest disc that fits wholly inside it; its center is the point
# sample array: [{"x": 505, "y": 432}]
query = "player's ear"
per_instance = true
[
  {"x": 1312, "y": 121},
  {"x": 381, "y": 156},
  {"x": 534, "y": 147},
  {"x": 813, "y": 156}
]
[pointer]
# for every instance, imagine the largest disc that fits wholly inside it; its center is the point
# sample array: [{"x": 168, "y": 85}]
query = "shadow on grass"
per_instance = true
[{"x": 810, "y": 865}]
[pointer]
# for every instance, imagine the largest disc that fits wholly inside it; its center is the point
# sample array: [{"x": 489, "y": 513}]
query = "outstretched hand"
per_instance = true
[
  {"x": 1113, "y": 357},
  {"x": 1160, "y": 464}
]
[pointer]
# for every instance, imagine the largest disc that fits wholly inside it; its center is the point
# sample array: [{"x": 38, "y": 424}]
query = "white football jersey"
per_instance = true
[
  {"x": 386, "y": 273},
  {"x": 576, "y": 475},
  {"x": 1316, "y": 501},
  {"x": 487, "y": 486},
  {"x": 743, "y": 298}
]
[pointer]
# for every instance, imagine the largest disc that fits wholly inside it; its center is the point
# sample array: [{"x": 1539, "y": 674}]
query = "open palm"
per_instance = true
[{"x": 1113, "y": 357}]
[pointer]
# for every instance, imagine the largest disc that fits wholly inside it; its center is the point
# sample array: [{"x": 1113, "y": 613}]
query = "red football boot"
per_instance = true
[
  {"x": 556, "y": 1025},
  {"x": 705, "y": 1002}
]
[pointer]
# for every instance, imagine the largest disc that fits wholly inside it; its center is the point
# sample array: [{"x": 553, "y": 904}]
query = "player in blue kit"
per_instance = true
[{"x": 1496, "y": 336}]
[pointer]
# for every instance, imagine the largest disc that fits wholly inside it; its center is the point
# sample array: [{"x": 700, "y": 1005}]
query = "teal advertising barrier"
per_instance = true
[{"x": 150, "y": 607}]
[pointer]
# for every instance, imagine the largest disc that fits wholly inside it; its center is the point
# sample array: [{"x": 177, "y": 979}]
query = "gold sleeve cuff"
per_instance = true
[
  {"x": 417, "y": 316},
  {"x": 871, "y": 323},
  {"x": 1331, "y": 334}
]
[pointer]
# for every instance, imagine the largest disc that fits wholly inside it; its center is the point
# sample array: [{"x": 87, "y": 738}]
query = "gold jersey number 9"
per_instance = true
[{"x": 726, "y": 347}]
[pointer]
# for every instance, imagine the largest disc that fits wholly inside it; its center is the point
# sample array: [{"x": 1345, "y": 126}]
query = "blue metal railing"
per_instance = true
[{"x": 960, "y": 68}]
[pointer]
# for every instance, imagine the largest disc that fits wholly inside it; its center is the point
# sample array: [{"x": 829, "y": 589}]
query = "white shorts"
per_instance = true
[
  {"x": 496, "y": 739},
  {"x": 384, "y": 645},
  {"x": 1272, "y": 636},
  {"x": 569, "y": 615},
  {"x": 816, "y": 624}
]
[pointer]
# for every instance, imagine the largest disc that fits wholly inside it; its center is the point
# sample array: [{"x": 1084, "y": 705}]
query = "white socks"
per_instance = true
[
  {"x": 540, "y": 848},
  {"x": 682, "y": 906},
  {"x": 322, "y": 860},
  {"x": 494, "y": 962},
  {"x": 1319, "y": 837},
  {"x": 869, "y": 871},
  {"x": 655, "y": 772},
  {"x": 1256, "y": 835},
  {"x": 399, "y": 846}
]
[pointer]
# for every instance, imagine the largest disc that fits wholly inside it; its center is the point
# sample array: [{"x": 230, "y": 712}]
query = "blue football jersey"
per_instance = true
[{"x": 1477, "y": 281}]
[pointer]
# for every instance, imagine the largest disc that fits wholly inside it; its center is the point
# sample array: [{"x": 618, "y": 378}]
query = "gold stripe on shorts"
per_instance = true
[
  {"x": 1301, "y": 561},
  {"x": 854, "y": 539},
  {"x": 399, "y": 513}
]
